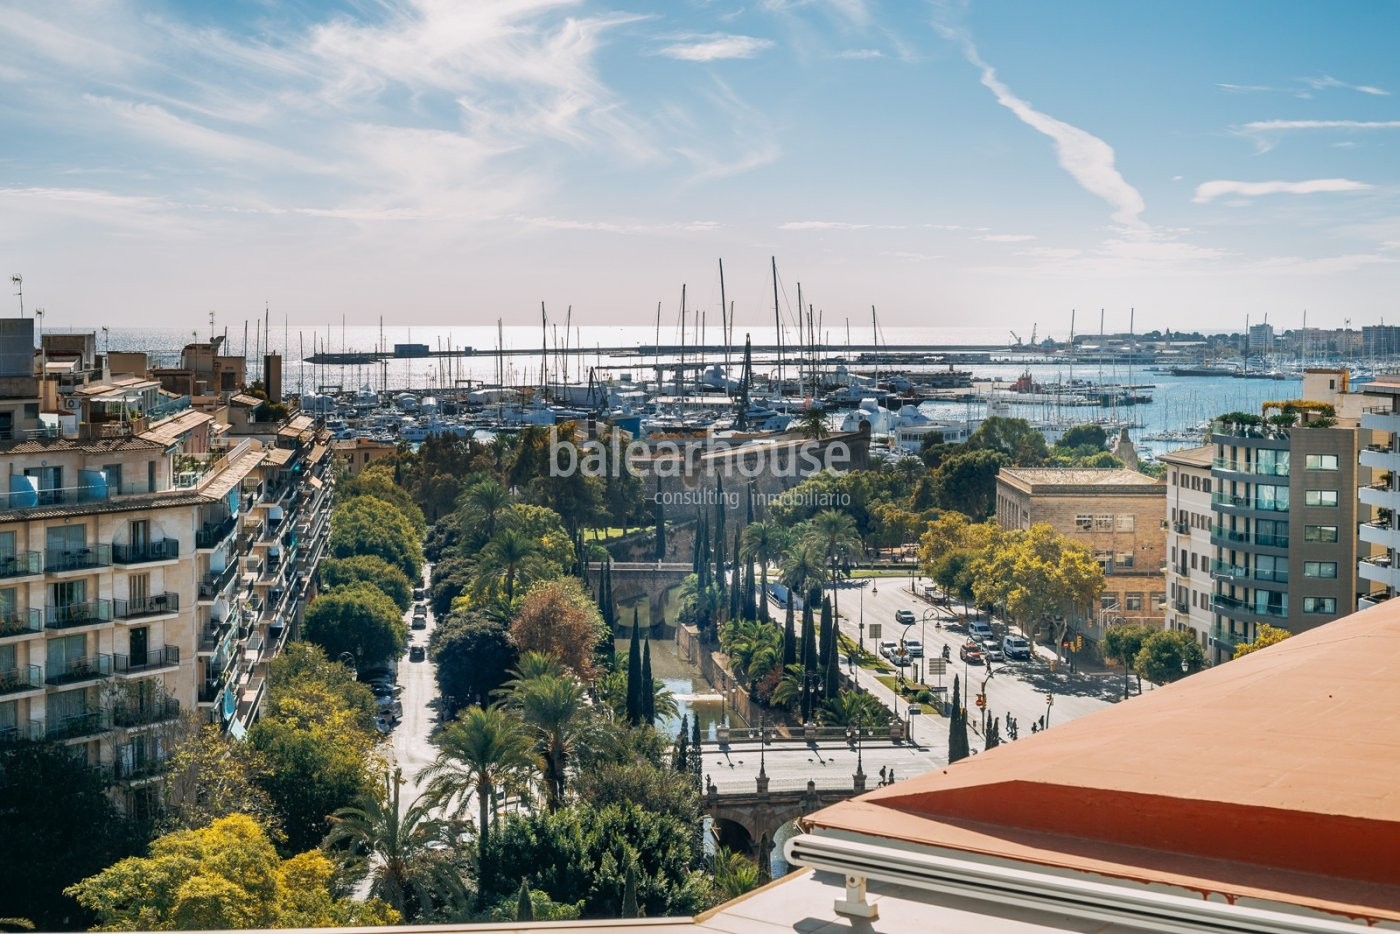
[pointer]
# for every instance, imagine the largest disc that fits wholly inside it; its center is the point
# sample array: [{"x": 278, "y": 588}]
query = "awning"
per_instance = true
[{"x": 316, "y": 483}]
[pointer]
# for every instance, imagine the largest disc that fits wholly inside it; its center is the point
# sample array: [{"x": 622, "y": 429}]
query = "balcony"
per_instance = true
[
  {"x": 29, "y": 730},
  {"x": 1245, "y": 609},
  {"x": 217, "y": 582},
  {"x": 144, "y": 765},
  {"x": 1221, "y": 570},
  {"x": 213, "y": 634},
  {"x": 1379, "y": 533},
  {"x": 88, "y": 613},
  {"x": 1379, "y": 494},
  {"x": 87, "y": 668},
  {"x": 164, "y": 657},
  {"x": 166, "y": 549},
  {"x": 80, "y": 559},
  {"x": 1229, "y": 538},
  {"x": 1368, "y": 600},
  {"x": 91, "y": 723},
  {"x": 1381, "y": 418},
  {"x": 1251, "y": 468},
  {"x": 1227, "y": 501},
  {"x": 158, "y": 604},
  {"x": 212, "y": 534},
  {"x": 21, "y": 564},
  {"x": 1223, "y": 638},
  {"x": 1379, "y": 570},
  {"x": 1380, "y": 457},
  {"x": 23, "y": 678},
  {"x": 21, "y": 623},
  {"x": 145, "y": 713}
]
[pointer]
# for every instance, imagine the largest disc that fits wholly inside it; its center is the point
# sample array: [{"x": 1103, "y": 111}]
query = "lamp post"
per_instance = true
[
  {"x": 862, "y": 616},
  {"x": 1049, "y": 702},
  {"x": 810, "y": 679},
  {"x": 856, "y": 733}
]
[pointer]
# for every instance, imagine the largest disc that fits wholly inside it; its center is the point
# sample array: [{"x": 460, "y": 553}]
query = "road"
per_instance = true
[{"x": 409, "y": 744}]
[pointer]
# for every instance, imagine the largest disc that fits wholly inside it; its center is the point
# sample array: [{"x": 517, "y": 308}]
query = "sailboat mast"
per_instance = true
[
  {"x": 680, "y": 370},
  {"x": 778, "y": 325},
  {"x": 657, "y": 348},
  {"x": 801, "y": 344},
  {"x": 544, "y": 350},
  {"x": 724, "y": 324}
]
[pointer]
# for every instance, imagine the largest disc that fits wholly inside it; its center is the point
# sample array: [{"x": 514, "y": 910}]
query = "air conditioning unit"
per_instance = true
[{"x": 73, "y": 404}]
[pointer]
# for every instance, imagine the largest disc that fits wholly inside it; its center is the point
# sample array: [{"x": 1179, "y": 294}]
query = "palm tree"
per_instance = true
[
  {"x": 852, "y": 708},
  {"x": 813, "y": 424},
  {"x": 804, "y": 567},
  {"x": 484, "y": 749},
  {"x": 754, "y": 648},
  {"x": 397, "y": 850},
  {"x": 763, "y": 542},
  {"x": 734, "y": 873},
  {"x": 553, "y": 705},
  {"x": 486, "y": 503},
  {"x": 790, "y": 689},
  {"x": 509, "y": 559},
  {"x": 531, "y": 665},
  {"x": 837, "y": 534}
]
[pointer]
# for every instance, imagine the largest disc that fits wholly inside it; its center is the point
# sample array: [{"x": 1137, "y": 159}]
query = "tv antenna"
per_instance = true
[{"x": 18, "y": 280}]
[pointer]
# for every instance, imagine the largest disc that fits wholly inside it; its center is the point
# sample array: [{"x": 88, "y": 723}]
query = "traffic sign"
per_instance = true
[
  {"x": 873, "y": 630},
  {"x": 937, "y": 666}
]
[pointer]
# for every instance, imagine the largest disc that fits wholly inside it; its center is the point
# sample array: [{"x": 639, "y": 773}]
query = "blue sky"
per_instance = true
[{"x": 456, "y": 161}]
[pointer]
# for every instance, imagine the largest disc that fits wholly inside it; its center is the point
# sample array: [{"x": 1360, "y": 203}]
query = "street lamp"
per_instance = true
[
  {"x": 856, "y": 733},
  {"x": 1049, "y": 702},
  {"x": 862, "y": 616}
]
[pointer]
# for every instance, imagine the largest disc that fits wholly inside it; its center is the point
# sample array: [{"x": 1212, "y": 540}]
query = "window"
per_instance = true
[
  {"x": 1272, "y": 497},
  {"x": 1270, "y": 568},
  {"x": 65, "y": 539},
  {"x": 1159, "y": 601},
  {"x": 1321, "y": 497},
  {"x": 1319, "y": 604},
  {"x": 63, "y": 652},
  {"x": 1319, "y": 569},
  {"x": 1085, "y": 522},
  {"x": 1319, "y": 533},
  {"x": 1125, "y": 522},
  {"x": 1271, "y": 463},
  {"x": 1132, "y": 601},
  {"x": 1322, "y": 462},
  {"x": 1272, "y": 533},
  {"x": 1205, "y": 485},
  {"x": 1108, "y": 601},
  {"x": 9, "y": 718},
  {"x": 1104, "y": 523}
]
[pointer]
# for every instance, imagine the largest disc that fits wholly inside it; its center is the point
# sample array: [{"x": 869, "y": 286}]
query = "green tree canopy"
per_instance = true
[
  {"x": 368, "y": 525},
  {"x": 967, "y": 481},
  {"x": 368, "y": 569},
  {"x": 358, "y": 619},
  {"x": 474, "y": 657},
  {"x": 1022, "y": 445},
  {"x": 1161, "y": 657}
]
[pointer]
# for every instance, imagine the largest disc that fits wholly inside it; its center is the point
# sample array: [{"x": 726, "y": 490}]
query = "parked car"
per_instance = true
[
  {"x": 888, "y": 647},
  {"x": 420, "y": 609},
  {"x": 419, "y": 622},
  {"x": 416, "y": 653},
  {"x": 904, "y": 616},
  {"x": 899, "y": 658},
  {"x": 980, "y": 630},
  {"x": 1016, "y": 647},
  {"x": 971, "y": 653},
  {"x": 914, "y": 647},
  {"x": 993, "y": 653},
  {"x": 418, "y": 593}
]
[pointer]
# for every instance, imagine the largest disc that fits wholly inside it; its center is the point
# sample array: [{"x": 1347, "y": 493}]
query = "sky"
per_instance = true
[{"x": 452, "y": 162}]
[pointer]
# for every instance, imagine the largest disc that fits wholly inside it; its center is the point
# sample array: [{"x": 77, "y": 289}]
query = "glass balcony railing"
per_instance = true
[
  {"x": 1232, "y": 537},
  {"x": 23, "y": 678},
  {"x": 1233, "y": 605},
  {"x": 153, "y": 605},
  {"x": 87, "y": 668},
  {"x": 21, "y": 564},
  {"x": 1250, "y": 467},
  {"x": 21, "y": 622},
  {"x": 1246, "y": 502},
  {"x": 32, "y": 730},
  {"x": 166, "y": 549}
]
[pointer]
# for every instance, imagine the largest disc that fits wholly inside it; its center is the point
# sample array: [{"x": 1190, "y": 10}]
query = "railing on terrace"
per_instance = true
[
  {"x": 32, "y": 730},
  {"x": 83, "y": 724},
  {"x": 195, "y": 470},
  {"x": 21, "y": 563},
  {"x": 165, "y": 549},
  {"x": 1232, "y": 571},
  {"x": 93, "y": 556},
  {"x": 214, "y": 583},
  {"x": 1233, "y": 604},
  {"x": 1380, "y": 410},
  {"x": 212, "y": 635},
  {"x": 29, "y": 434},
  {"x": 1226, "y": 499},
  {"x": 153, "y": 605},
  {"x": 137, "y": 767},
  {"x": 20, "y": 622},
  {"x": 165, "y": 407},
  {"x": 212, "y": 534},
  {"x": 163, "y": 657},
  {"x": 146, "y": 712},
  {"x": 81, "y": 669},
  {"x": 1244, "y": 538},
  {"x": 23, "y": 678},
  {"x": 78, "y": 614},
  {"x": 1273, "y": 470}
]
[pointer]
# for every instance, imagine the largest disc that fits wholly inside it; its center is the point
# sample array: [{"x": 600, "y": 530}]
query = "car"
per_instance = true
[
  {"x": 416, "y": 653},
  {"x": 420, "y": 609},
  {"x": 899, "y": 658},
  {"x": 419, "y": 622},
  {"x": 980, "y": 630},
  {"x": 904, "y": 617},
  {"x": 418, "y": 593},
  {"x": 993, "y": 653},
  {"x": 888, "y": 647},
  {"x": 381, "y": 690},
  {"x": 914, "y": 647},
  {"x": 1016, "y": 647},
  {"x": 971, "y": 653}
]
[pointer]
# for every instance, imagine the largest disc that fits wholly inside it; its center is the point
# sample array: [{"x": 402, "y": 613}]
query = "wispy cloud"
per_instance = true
[
  {"x": 1323, "y": 82},
  {"x": 1005, "y": 238},
  {"x": 836, "y": 225},
  {"x": 1264, "y": 132},
  {"x": 859, "y": 54},
  {"x": 1208, "y": 191},
  {"x": 1304, "y": 88},
  {"x": 713, "y": 47},
  {"x": 1246, "y": 88},
  {"x": 1088, "y": 159}
]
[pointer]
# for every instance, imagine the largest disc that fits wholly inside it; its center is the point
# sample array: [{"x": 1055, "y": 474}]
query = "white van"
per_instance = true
[{"x": 980, "y": 630}]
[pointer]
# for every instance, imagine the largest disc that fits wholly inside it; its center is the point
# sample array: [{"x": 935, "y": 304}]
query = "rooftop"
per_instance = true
[
  {"x": 1074, "y": 479},
  {"x": 1202, "y": 456}
]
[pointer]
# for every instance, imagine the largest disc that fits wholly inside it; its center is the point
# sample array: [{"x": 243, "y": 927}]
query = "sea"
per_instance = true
[{"x": 1180, "y": 404}]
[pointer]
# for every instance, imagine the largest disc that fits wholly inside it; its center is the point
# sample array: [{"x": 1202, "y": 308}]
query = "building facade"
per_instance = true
[
  {"x": 1117, "y": 514},
  {"x": 1378, "y": 502},
  {"x": 1189, "y": 552}
]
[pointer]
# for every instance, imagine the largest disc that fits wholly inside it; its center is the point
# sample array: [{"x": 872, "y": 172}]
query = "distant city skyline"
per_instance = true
[{"x": 954, "y": 164}]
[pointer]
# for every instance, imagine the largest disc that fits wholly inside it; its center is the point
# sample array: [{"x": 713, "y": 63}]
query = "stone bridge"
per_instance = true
[
  {"x": 650, "y": 579},
  {"x": 746, "y": 821}
]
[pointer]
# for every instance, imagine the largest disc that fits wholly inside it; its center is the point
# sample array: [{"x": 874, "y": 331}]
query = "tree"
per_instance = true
[
  {"x": 660, "y": 522},
  {"x": 368, "y": 525},
  {"x": 789, "y": 635},
  {"x": 222, "y": 877},
  {"x": 358, "y": 619},
  {"x": 812, "y": 423},
  {"x": 836, "y": 533},
  {"x": 1022, "y": 445},
  {"x": 485, "y": 507},
  {"x": 804, "y": 566},
  {"x": 993, "y": 734},
  {"x": 1122, "y": 643},
  {"x": 1038, "y": 575},
  {"x": 634, "y": 674},
  {"x": 58, "y": 826},
  {"x": 368, "y": 569},
  {"x": 208, "y": 777},
  {"x": 379, "y": 481},
  {"x": 967, "y": 480},
  {"x": 553, "y": 706},
  {"x": 558, "y": 617},
  {"x": 305, "y": 663},
  {"x": 474, "y": 656},
  {"x": 763, "y": 542},
  {"x": 648, "y": 693},
  {"x": 400, "y": 852},
  {"x": 754, "y": 648},
  {"x": 1266, "y": 636},
  {"x": 1083, "y": 439},
  {"x": 509, "y": 560},
  {"x": 853, "y": 708},
  {"x": 483, "y": 749},
  {"x": 958, "y": 747},
  {"x": 1162, "y": 654}
]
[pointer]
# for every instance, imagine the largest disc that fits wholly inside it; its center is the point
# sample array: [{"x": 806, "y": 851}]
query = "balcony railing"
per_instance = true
[
  {"x": 166, "y": 549},
  {"x": 87, "y": 668},
  {"x": 78, "y": 614},
  {"x": 1222, "y": 569},
  {"x": 1244, "y": 502},
  {"x": 23, "y": 678},
  {"x": 84, "y": 724},
  {"x": 29, "y": 434},
  {"x": 1244, "y": 538},
  {"x": 21, "y": 622},
  {"x": 32, "y": 730},
  {"x": 21, "y": 564},
  {"x": 215, "y": 583},
  {"x": 1231, "y": 604},
  {"x": 145, "y": 713},
  {"x": 153, "y": 605},
  {"x": 213, "y": 533},
  {"x": 164, "y": 657},
  {"x": 93, "y": 556},
  {"x": 140, "y": 766},
  {"x": 1269, "y": 470}
]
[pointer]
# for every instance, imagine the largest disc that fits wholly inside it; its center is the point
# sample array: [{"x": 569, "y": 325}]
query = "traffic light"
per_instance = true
[{"x": 1079, "y": 643}]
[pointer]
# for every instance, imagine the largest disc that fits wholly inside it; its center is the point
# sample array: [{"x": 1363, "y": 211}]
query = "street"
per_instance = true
[
  {"x": 409, "y": 743},
  {"x": 830, "y": 763}
]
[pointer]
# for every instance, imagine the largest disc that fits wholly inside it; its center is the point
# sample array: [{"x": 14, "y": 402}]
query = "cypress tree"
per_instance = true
[
  {"x": 736, "y": 586},
  {"x": 957, "y": 728},
  {"x": 809, "y": 659},
  {"x": 748, "y": 515},
  {"x": 634, "y": 674},
  {"x": 994, "y": 733},
  {"x": 824, "y": 640},
  {"x": 750, "y": 594},
  {"x": 693, "y": 763},
  {"x": 719, "y": 526},
  {"x": 524, "y": 911},
  {"x": 648, "y": 687},
  {"x": 629, "y": 891},
  {"x": 720, "y": 581},
  {"x": 831, "y": 676},
  {"x": 789, "y": 639},
  {"x": 680, "y": 758}
]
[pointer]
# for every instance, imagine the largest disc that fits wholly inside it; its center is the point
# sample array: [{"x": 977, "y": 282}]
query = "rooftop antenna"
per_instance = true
[{"x": 18, "y": 280}]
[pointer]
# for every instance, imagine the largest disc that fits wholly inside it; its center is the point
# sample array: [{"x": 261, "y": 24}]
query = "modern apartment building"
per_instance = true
[
  {"x": 1116, "y": 513},
  {"x": 1189, "y": 552},
  {"x": 125, "y": 592},
  {"x": 1285, "y": 510},
  {"x": 1379, "y": 502}
]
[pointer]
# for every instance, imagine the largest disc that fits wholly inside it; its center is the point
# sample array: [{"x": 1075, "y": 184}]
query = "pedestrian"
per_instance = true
[
  {"x": 891, "y": 776},
  {"x": 882, "y": 775}
]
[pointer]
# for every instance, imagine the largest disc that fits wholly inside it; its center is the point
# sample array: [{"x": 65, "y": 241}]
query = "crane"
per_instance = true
[{"x": 1016, "y": 337}]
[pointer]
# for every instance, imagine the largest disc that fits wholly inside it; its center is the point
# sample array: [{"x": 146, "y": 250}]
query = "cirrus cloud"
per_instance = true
[
  {"x": 1209, "y": 191},
  {"x": 713, "y": 47}
]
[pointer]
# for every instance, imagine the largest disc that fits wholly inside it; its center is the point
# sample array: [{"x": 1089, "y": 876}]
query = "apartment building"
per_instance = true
[
  {"x": 1190, "y": 556},
  {"x": 125, "y": 596},
  {"x": 1116, "y": 513},
  {"x": 1378, "y": 502},
  {"x": 1285, "y": 509}
]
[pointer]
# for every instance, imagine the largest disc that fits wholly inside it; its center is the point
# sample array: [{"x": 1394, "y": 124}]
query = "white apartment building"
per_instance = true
[{"x": 1189, "y": 551}]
